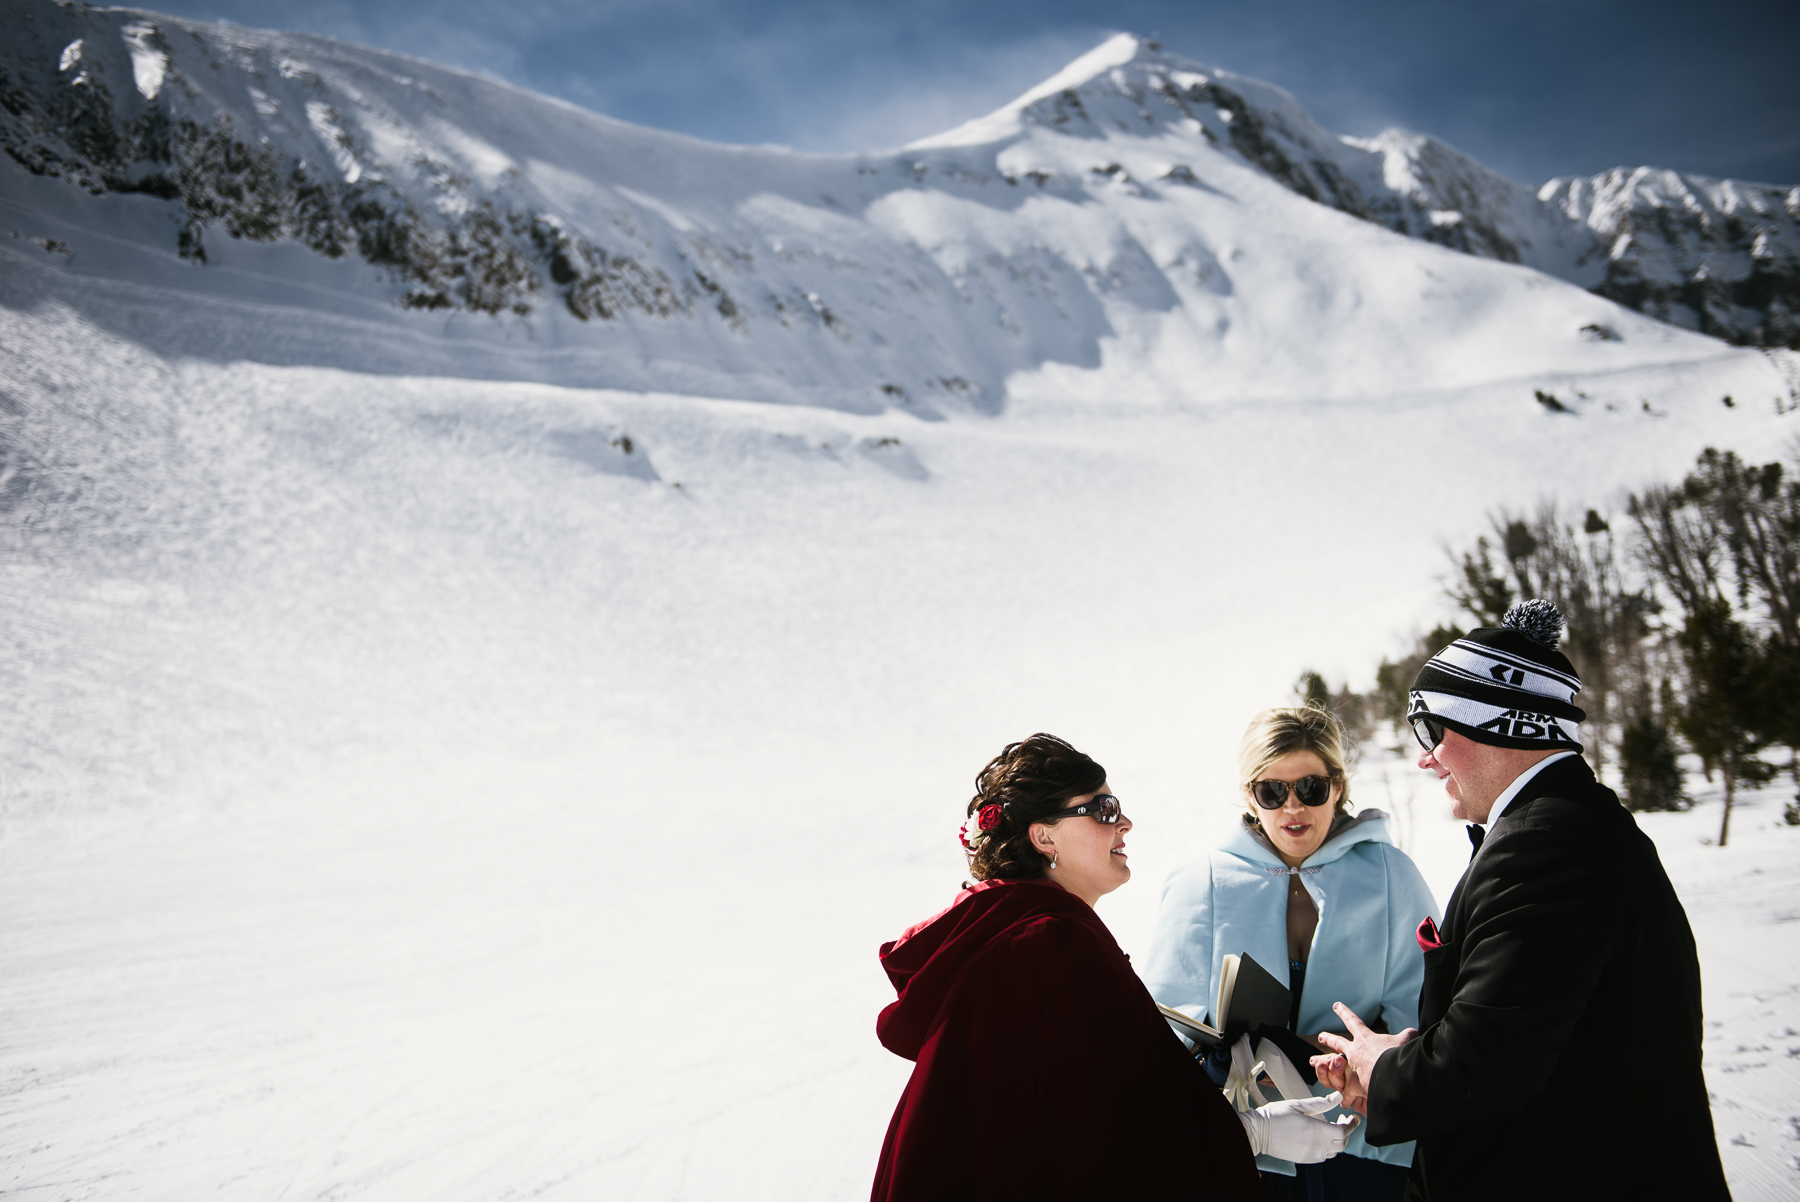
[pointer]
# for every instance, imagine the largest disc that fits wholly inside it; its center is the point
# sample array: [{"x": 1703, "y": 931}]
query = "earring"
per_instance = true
[{"x": 1053, "y": 856}]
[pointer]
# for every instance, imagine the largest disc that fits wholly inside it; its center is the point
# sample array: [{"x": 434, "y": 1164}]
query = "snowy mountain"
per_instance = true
[
  {"x": 1135, "y": 201},
  {"x": 1721, "y": 256}
]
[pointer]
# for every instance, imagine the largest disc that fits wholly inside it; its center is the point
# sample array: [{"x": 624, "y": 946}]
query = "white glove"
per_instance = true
[{"x": 1290, "y": 1130}]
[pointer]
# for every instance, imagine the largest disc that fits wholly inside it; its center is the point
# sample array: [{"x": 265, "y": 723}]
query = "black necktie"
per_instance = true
[{"x": 1476, "y": 835}]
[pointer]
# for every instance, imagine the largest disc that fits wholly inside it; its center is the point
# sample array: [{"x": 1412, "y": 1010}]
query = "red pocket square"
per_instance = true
[{"x": 1428, "y": 935}]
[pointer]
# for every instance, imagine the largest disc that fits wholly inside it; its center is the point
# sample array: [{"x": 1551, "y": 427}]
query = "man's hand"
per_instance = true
[{"x": 1352, "y": 1066}]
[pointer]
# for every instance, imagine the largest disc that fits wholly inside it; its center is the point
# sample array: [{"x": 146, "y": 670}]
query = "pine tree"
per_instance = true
[
  {"x": 1721, "y": 719},
  {"x": 1648, "y": 767}
]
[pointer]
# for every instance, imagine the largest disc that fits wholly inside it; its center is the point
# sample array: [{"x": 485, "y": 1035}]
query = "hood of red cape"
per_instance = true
[
  {"x": 1013, "y": 966},
  {"x": 926, "y": 961}
]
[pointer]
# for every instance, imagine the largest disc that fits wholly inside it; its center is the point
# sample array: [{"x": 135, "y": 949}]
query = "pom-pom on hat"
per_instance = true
[{"x": 1506, "y": 685}]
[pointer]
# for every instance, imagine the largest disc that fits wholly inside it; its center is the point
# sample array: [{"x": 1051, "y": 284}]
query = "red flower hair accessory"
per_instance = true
[{"x": 988, "y": 818}]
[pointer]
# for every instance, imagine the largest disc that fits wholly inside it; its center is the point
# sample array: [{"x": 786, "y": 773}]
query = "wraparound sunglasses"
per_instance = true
[
  {"x": 1427, "y": 730},
  {"x": 1273, "y": 794},
  {"x": 1102, "y": 807}
]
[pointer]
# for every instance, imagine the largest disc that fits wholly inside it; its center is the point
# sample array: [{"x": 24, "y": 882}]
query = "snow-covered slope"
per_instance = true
[
  {"x": 383, "y": 213},
  {"x": 422, "y": 788}
]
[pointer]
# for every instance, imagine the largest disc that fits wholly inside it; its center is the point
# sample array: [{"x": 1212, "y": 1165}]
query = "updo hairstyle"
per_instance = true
[
  {"x": 1275, "y": 733},
  {"x": 1028, "y": 780}
]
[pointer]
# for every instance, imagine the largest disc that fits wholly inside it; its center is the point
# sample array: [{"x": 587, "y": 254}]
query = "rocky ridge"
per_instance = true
[
  {"x": 1723, "y": 255},
  {"x": 123, "y": 102}
]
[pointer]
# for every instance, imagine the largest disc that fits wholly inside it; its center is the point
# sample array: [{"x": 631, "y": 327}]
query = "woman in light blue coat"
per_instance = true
[{"x": 1312, "y": 893}]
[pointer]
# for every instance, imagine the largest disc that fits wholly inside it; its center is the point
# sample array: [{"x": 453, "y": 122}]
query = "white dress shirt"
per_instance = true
[{"x": 1519, "y": 782}]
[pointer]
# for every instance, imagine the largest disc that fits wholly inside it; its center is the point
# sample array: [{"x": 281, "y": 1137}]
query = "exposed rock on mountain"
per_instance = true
[
  {"x": 1719, "y": 254},
  {"x": 142, "y": 104}
]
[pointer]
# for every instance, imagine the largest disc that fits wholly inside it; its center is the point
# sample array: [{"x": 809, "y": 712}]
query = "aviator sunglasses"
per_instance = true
[
  {"x": 1273, "y": 794},
  {"x": 1102, "y": 807},
  {"x": 1427, "y": 730}
]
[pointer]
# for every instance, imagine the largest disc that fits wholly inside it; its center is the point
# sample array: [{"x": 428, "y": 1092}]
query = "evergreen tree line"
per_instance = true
[{"x": 1683, "y": 621}]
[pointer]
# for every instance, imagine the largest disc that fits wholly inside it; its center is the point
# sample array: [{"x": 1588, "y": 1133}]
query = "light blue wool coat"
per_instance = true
[{"x": 1365, "y": 953}]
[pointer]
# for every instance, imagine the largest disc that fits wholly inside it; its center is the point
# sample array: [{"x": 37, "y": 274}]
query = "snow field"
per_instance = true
[
  {"x": 409, "y": 793},
  {"x": 1741, "y": 900}
]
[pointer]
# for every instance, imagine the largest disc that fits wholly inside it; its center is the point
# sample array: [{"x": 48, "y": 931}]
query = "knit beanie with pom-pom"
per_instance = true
[{"x": 1506, "y": 685}]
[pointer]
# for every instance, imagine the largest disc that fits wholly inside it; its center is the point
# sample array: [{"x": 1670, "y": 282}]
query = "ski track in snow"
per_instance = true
[{"x": 411, "y": 792}]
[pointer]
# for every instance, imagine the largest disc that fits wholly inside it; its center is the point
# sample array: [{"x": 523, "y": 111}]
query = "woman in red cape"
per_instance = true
[{"x": 1043, "y": 1070}]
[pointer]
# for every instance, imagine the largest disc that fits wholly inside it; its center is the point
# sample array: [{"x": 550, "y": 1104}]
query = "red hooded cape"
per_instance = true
[{"x": 1043, "y": 1070}]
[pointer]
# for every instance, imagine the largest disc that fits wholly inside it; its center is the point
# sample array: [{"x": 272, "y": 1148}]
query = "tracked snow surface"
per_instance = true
[{"x": 451, "y": 752}]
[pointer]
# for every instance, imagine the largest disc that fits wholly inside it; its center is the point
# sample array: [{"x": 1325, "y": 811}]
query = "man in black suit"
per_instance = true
[{"x": 1558, "y": 1049}]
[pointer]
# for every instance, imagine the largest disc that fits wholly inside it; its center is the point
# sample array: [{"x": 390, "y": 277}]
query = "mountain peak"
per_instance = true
[
  {"x": 1130, "y": 85},
  {"x": 1122, "y": 50}
]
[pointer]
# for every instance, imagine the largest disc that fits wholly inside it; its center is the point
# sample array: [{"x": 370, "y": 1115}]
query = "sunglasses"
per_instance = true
[
  {"x": 1102, "y": 807},
  {"x": 1427, "y": 730},
  {"x": 1273, "y": 794}
]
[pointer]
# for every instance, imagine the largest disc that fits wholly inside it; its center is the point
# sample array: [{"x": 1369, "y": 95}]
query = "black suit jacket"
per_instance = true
[{"x": 1559, "y": 1024}]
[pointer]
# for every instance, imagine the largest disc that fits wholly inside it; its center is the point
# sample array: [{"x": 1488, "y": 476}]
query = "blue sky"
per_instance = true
[{"x": 1534, "y": 88}]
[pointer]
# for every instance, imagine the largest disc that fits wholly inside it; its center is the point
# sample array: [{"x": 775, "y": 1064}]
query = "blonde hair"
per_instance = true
[{"x": 1279, "y": 732}]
